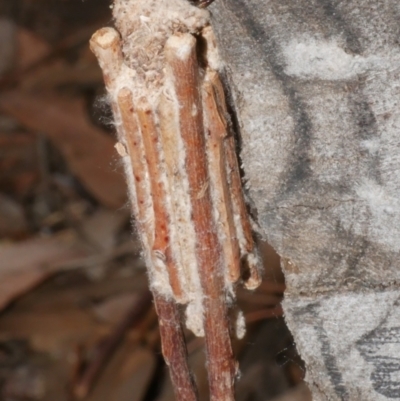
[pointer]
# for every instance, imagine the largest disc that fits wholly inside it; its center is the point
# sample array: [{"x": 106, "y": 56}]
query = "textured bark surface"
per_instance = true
[{"x": 315, "y": 87}]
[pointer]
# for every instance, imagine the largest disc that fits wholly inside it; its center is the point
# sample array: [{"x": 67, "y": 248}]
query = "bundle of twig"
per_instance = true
[{"x": 162, "y": 75}]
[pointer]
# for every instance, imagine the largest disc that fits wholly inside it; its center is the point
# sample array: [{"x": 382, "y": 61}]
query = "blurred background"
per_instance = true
[{"x": 76, "y": 319}]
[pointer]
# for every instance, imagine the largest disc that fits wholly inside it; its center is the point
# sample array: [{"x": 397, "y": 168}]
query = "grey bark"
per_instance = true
[{"x": 315, "y": 87}]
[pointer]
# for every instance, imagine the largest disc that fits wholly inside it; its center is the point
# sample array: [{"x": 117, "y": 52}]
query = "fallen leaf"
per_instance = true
[
  {"x": 102, "y": 227},
  {"x": 127, "y": 376},
  {"x": 7, "y": 44},
  {"x": 88, "y": 151},
  {"x": 58, "y": 72},
  {"x": 53, "y": 331},
  {"x": 12, "y": 218},
  {"x": 25, "y": 264},
  {"x": 30, "y": 49},
  {"x": 114, "y": 309},
  {"x": 19, "y": 170}
]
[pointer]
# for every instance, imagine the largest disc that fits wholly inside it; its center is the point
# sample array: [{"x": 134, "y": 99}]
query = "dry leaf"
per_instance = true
[
  {"x": 54, "y": 330},
  {"x": 114, "y": 309},
  {"x": 18, "y": 162},
  {"x": 88, "y": 151},
  {"x": 30, "y": 49},
  {"x": 25, "y": 264},
  {"x": 102, "y": 226},
  {"x": 12, "y": 218},
  {"x": 127, "y": 376}
]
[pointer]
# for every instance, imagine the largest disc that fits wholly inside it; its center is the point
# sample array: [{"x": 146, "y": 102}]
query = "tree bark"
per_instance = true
[{"x": 315, "y": 88}]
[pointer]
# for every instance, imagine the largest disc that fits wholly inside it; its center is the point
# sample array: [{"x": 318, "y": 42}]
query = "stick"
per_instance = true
[
  {"x": 217, "y": 131},
  {"x": 243, "y": 226},
  {"x": 174, "y": 349},
  {"x": 182, "y": 60},
  {"x": 161, "y": 250}
]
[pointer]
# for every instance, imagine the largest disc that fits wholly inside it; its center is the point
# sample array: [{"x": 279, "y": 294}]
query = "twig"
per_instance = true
[
  {"x": 220, "y": 362},
  {"x": 243, "y": 226},
  {"x": 161, "y": 248},
  {"x": 217, "y": 128},
  {"x": 174, "y": 349}
]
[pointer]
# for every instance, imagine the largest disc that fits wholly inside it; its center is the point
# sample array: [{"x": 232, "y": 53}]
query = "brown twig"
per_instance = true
[
  {"x": 243, "y": 226},
  {"x": 174, "y": 348},
  {"x": 161, "y": 248},
  {"x": 182, "y": 241},
  {"x": 217, "y": 131},
  {"x": 184, "y": 69}
]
